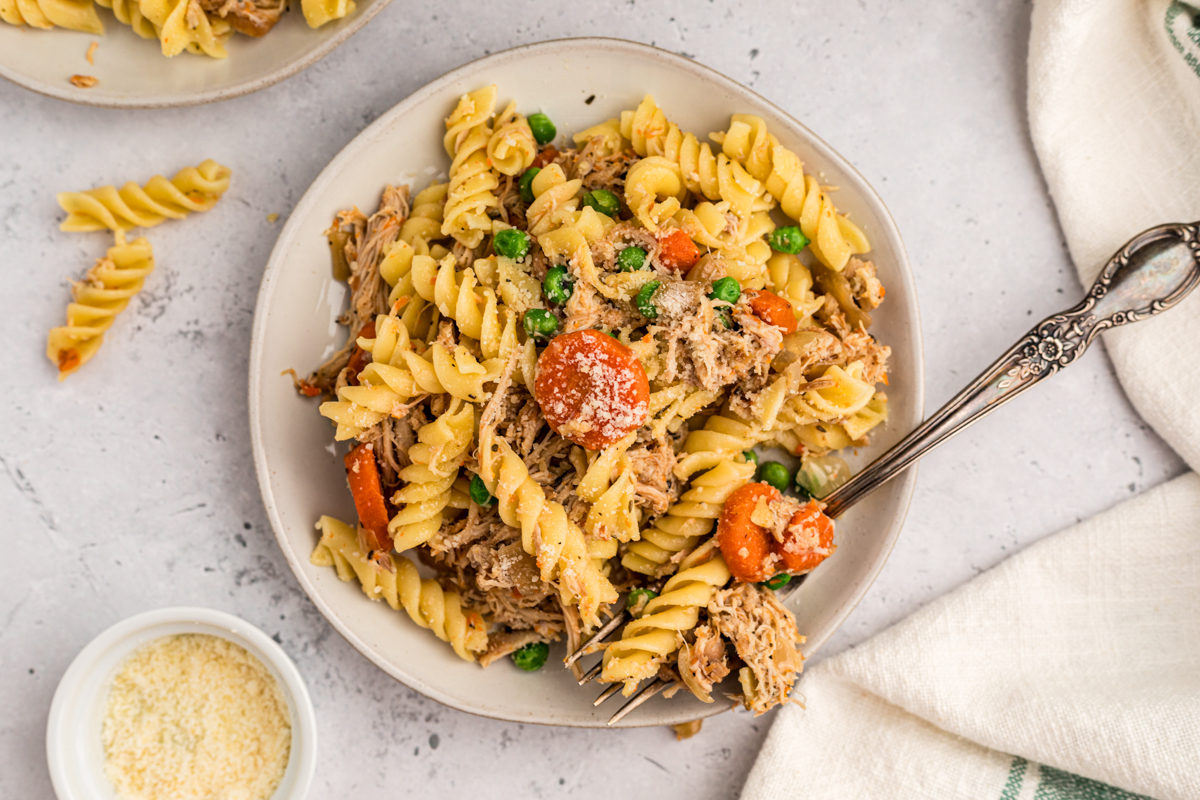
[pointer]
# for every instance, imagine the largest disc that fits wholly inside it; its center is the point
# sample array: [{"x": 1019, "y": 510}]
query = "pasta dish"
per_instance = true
[{"x": 562, "y": 367}]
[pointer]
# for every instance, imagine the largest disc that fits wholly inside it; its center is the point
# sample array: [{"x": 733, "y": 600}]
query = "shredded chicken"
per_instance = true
[
  {"x": 702, "y": 663},
  {"x": 864, "y": 285},
  {"x": 764, "y": 635}
]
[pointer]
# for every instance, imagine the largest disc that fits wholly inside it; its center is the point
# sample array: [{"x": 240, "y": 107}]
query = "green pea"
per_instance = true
[
  {"x": 787, "y": 240},
  {"x": 543, "y": 129},
  {"x": 631, "y": 259},
  {"x": 750, "y": 456},
  {"x": 603, "y": 201},
  {"x": 525, "y": 185},
  {"x": 479, "y": 492},
  {"x": 511, "y": 243},
  {"x": 540, "y": 323},
  {"x": 639, "y": 597},
  {"x": 532, "y": 656},
  {"x": 778, "y": 582},
  {"x": 643, "y": 300},
  {"x": 558, "y": 285},
  {"x": 726, "y": 289},
  {"x": 775, "y": 474}
]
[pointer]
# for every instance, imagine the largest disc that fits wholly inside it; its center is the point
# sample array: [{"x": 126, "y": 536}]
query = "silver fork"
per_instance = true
[{"x": 1151, "y": 273}]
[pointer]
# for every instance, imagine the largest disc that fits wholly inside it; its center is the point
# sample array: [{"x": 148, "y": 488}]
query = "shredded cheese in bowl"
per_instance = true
[{"x": 194, "y": 716}]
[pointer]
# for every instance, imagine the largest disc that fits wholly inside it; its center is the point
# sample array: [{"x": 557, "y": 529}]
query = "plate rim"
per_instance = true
[
  {"x": 907, "y": 481},
  {"x": 70, "y": 94}
]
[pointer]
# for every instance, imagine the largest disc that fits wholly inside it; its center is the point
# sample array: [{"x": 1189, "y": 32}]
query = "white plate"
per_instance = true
[
  {"x": 133, "y": 73},
  {"x": 294, "y": 326},
  {"x": 74, "y": 744}
]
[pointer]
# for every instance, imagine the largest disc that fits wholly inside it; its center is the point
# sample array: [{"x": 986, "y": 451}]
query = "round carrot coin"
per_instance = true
[
  {"x": 772, "y": 309},
  {"x": 592, "y": 389},
  {"x": 746, "y": 545},
  {"x": 807, "y": 541}
]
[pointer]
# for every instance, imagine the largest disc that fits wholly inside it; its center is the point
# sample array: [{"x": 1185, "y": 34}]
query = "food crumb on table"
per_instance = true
[{"x": 272, "y": 217}]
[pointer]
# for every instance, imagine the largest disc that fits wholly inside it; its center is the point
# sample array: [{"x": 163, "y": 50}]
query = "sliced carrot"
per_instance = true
[
  {"x": 548, "y": 154},
  {"x": 363, "y": 474},
  {"x": 677, "y": 251},
  {"x": 772, "y": 309}
]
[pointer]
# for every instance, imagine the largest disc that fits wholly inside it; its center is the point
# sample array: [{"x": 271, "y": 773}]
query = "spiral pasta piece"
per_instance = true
[
  {"x": 192, "y": 189},
  {"x": 609, "y": 132},
  {"x": 183, "y": 25},
  {"x": 75, "y": 15},
  {"x": 833, "y": 237},
  {"x": 385, "y": 385},
  {"x": 842, "y": 393},
  {"x": 396, "y": 580},
  {"x": 129, "y": 12},
  {"x": 440, "y": 451},
  {"x": 458, "y": 296},
  {"x": 471, "y": 193},
  {"x": 547, "y": 533},
  {"x": 555, "y": 200},
  {"x": 653, "y": 190},
  {"x": 688, "y": 520},
  {"x": 319, "y": 12},
  {"x": 424, "y": 224},
  {"x": 793, "y": 281},
  {"x": 99, "y": 297},
  {"x": 650, "y": 639},
  {"x": 512, "y": 147},
  {"x": 723, "y": 437}
]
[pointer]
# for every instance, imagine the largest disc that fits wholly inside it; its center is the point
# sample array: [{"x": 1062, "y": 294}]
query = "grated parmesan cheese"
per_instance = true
[{"x": 195, "y": 716}]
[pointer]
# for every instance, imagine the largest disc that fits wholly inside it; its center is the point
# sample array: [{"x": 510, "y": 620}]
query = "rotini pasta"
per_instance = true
[
  {"x": 472, "y": 181},
  {"x": 554, "y": 200},
  {"x": 679, "y": 531},
  {"x": 98, "y": 298},
  {"x": 75, "y": 15},
  {"x": 547, "y": 533},
  {"x": 182, "y": 25},
  {"x": 512, "y": 147},
  {"x": 652, "y": 638},
  {"x": 834, "y": 238},
  {"x": 398, "y": 582},
  {"x": 129, "y": 12},
  {"x": 429, "y": 480},
  {"x": 192, "y": 189}
]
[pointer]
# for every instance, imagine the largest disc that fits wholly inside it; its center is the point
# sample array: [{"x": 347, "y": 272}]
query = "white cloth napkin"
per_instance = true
[{"x": 1071, "y": 670}]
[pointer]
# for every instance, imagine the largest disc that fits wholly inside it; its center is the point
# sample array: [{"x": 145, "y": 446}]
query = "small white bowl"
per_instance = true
[{"x": 73, "y": 735}]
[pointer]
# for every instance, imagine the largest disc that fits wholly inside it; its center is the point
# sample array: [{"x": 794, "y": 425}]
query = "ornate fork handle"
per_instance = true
[{"x": 1144, "y": 278}]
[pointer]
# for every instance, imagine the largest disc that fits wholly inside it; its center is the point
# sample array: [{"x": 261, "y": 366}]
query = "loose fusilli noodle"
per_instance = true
[
  {"x": 104, "y": 293},
  {"x": 397, "y": 581},
  {"x": 723, "y": 436},
  {"x": 555, "y": 200},
  {"x": 192, "y": 189}
]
